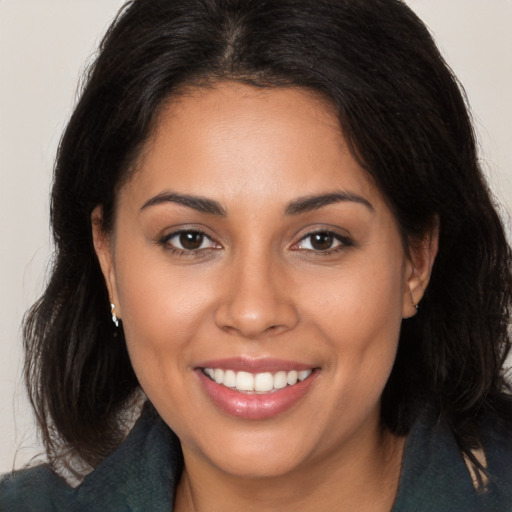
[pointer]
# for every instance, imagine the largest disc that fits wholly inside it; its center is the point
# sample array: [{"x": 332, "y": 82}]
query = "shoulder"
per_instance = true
[
  {"x": 435, "y": 475},
  {"x": 496, "y": 429},
  {"x": 34, "y": 489},
  {"x": 139, "y": 476}
]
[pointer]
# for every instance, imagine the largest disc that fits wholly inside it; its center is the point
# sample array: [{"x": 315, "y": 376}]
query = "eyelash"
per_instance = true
[
  {"x": 343, "y": 243},
  {"x": 165, "y": 242}
]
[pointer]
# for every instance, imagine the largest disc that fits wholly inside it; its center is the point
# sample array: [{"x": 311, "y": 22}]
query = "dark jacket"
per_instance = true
[{"x": 142, "y": 474}]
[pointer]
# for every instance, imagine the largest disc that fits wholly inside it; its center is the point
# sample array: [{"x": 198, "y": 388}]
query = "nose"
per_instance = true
[{"x": 257, "y": 299}]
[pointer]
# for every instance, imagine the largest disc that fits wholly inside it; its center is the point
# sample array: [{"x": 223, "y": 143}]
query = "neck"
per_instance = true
[{"x": 360, "y": 477}]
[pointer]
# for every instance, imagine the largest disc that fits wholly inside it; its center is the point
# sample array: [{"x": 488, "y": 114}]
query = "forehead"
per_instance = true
[{"x": 235, "y": 140}]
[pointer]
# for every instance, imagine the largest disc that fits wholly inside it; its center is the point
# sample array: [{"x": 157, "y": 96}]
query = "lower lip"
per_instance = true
[{"x": 254, "y": 406}]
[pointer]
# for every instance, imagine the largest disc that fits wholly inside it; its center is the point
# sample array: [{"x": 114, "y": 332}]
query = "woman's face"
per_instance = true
[{"x": 261, "y": 279}]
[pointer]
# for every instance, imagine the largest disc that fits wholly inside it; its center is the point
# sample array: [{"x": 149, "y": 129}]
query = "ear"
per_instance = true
[
  {"x": 104, "y": 252},
  {"x": 422, "y": 254}
]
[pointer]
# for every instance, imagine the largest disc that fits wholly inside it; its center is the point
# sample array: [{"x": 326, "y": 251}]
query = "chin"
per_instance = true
[{"x": 259, "y": 462}]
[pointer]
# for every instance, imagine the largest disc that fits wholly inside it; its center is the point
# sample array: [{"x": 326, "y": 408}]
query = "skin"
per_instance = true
[{"x": 258, "y": 288}]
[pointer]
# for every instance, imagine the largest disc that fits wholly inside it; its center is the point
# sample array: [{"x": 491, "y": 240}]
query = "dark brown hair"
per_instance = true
[{"x": 405, "y": 117}]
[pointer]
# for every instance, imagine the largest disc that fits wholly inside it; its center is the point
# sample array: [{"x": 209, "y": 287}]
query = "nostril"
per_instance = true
[{"x": 252, "y": 310}]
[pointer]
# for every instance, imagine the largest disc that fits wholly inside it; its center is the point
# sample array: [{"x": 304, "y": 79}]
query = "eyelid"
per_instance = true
[
  {"x": 165, "y": 241},
  {"x": 337, "y": 243},
  {"x": 341, "y": 241},
  {"x": 344, "y": 241}
]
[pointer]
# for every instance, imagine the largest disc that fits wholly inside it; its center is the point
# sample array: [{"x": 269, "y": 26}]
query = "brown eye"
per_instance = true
[
  {"x": 321, "y": 241},
  {"x": 188, "y": 241},
  {"x": 191, "y": 240}
]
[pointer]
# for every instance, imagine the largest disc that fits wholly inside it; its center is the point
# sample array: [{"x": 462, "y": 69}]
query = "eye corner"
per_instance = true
[
  {"x": 322, "y": 242},
  {"x": 188, "y": 242}
]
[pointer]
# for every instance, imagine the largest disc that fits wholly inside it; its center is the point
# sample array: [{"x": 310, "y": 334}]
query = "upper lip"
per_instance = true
[{"x": 255, "y": 365}]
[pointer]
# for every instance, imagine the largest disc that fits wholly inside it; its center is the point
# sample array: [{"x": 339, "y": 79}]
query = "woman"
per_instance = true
[{"x": 270, "y": 222}]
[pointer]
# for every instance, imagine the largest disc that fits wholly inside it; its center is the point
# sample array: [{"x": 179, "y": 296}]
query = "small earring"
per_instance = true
[
  {"x": 114, "y": 317},
  {"x": 412, "y": 300}
]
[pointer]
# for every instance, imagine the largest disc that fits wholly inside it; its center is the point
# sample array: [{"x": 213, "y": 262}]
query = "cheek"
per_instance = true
[
  {"x": 154, "y": 293},
  {"x": 359, "y": 314},
  {"x": 162, "y": 310},
  {"x": 362, "y": 301}
]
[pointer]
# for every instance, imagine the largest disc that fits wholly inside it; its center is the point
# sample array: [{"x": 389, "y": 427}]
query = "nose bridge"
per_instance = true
[{"x": 257, "y": 300}]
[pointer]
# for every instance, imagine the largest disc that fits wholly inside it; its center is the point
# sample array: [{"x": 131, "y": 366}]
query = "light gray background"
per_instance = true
[{"x": 44, "y": 46}]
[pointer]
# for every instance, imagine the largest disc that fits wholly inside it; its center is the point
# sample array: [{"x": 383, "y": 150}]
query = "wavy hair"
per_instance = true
[{"x": 405, "y": 117}]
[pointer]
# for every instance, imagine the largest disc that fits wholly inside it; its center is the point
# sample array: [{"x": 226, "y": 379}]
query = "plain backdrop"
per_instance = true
[{"x": 44, "y": 48}]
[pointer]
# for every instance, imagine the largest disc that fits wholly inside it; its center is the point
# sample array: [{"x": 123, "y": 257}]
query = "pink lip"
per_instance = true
[
  {"x": 254, "y": 406},
  {"x": 261, "y": 365}
]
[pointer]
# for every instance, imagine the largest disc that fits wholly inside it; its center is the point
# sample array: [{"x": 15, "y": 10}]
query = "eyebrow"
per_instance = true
[
  {"x": 295, "y": 207},
  {"x": 315, "y": 202},
  {"x": 201, "y": 204}
]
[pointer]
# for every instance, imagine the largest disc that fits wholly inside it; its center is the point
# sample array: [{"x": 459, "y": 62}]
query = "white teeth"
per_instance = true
[
  {"x": 229, "y": 379},
  {"x": 259, "y": 382},
  {"x": 218, "y": 375},
  {"x": 280, "y": 380},
  {"x": 291, "y": 378},
  {"x": 244, "y": 381},
  {"x": 263, "y": 382},
  {"x": 304, "y": 374}
]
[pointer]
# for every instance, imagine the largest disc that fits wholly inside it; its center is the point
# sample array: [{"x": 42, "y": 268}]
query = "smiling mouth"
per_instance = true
[{"x": 256, "y": 383}]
